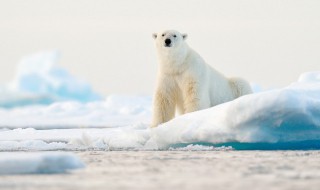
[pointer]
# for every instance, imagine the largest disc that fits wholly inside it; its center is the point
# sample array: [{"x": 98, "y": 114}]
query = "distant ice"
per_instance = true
[
  {"x": 313, "y": 77},
  {"x": 256, "y": 87},
  {"x": 38, "y": 163},
  {"x": 40, "y": 80},
  {"x": 114, "y": 111}
]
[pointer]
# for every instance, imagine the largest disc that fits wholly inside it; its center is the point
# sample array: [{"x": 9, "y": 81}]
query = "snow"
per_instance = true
[
  {"x": 40, "y": 80},
  {"x": 192, "y": 147},
  {"x": 287, "y": 118},
  {"x": 76, "y": 119},
  {"x": 38, "y": 163},
  {"x": 285, "y": 115},
  {"x": 115, "y": 111},
  {"x": 123, "y": 138}
]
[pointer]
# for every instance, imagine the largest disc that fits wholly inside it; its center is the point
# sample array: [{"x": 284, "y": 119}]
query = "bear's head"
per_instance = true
[
  {"x": 169, "y": 40},
  {"x": 172, "y": 49}
]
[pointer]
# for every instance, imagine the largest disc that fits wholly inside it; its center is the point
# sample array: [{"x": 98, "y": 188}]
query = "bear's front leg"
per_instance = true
[
  {"x": 191, "y": 99},
  {"x": 163, "y": 106}
]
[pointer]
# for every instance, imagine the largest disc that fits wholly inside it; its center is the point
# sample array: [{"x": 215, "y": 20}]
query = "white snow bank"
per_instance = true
[
  {"x": 115, "y": 111},
  {"x": 279, "y": 116},
  {"x": 38, "y": 163},
  {"x": 40, "y": 80}
]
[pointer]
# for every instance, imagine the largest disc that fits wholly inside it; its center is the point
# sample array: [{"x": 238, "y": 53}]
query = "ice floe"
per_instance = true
[{"x": 38, "y": 163}]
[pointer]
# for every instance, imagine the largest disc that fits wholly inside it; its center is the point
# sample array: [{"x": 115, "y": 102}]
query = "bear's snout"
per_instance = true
[{"x": 167, "y": 42}]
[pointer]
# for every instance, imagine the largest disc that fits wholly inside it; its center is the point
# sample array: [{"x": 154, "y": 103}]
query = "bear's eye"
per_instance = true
[
  {"x": 163, "y": 34},
  {"x": 175, "y": 36}
]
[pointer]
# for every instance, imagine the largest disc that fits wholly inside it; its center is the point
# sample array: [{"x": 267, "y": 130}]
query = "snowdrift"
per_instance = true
[{"x": 287, "y": 118}]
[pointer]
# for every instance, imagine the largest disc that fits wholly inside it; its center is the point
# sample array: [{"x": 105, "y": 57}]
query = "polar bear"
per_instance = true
[{"x": 185, "y": 83}]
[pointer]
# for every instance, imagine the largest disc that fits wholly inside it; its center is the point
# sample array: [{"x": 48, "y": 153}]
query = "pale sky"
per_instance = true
[{"x": 109, "y": 43}]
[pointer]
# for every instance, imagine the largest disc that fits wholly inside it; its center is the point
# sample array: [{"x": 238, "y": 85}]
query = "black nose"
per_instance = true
[{"x": 167, "y": 41}]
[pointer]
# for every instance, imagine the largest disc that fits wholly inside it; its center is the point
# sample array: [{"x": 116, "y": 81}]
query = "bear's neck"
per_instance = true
[{"x": 173, "y": 62}]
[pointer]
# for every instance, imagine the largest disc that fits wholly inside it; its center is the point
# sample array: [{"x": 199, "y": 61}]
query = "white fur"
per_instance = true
[{"x": 186, "y": 83}]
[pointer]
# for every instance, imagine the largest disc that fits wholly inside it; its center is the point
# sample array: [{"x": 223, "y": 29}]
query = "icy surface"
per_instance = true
[
  {"x": 205, "y": 170},
  {"x": 287, "y": 118},
  {"x": 36, "y": 163},
  {"x": 40, "y": 80}
]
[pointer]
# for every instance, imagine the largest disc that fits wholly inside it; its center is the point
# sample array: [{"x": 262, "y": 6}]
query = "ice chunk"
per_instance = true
[
  {"x": 38, "y": 163},
  {"x": 40, "y": 80},
  {"x": 40, "y": 74}
]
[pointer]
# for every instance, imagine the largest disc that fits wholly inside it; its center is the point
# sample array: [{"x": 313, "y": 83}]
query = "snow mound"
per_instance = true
[
  {"x": 40, "y": 80},
  {"x": 282, "y": 116},
  {"x": 38, "y": 163}
]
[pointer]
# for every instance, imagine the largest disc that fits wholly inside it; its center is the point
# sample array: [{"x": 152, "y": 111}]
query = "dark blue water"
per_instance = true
[{"x": 295, "y": 145}]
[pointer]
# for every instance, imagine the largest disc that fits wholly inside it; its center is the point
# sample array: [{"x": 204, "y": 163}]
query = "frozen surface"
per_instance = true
[
  {"x": 225, "y": 170},
  {"x": 40, "y": 80},
  {"x": 287, "y": 118},
  {"x": 38, "y": 163}
]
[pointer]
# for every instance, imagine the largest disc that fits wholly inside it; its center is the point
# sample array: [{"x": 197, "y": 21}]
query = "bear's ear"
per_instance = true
[
  {"x": 154, "y": 35},
  {"x": 184, "y": 36}
]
